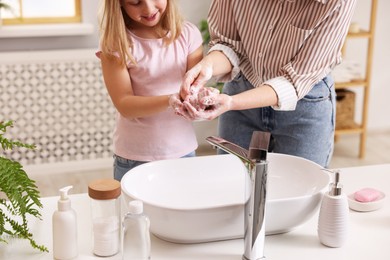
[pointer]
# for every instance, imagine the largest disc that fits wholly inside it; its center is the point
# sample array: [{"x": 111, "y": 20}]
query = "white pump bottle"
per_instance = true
[{"x": 64, "y": 228}]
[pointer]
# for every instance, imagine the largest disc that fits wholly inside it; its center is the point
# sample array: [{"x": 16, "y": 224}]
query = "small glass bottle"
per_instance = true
[
  {"x": 136, "y": 236},
  {"x": 106, "y": 216}
]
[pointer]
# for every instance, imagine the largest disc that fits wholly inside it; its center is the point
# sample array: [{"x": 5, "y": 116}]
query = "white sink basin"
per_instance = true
[{"x": 201, "y": 199}]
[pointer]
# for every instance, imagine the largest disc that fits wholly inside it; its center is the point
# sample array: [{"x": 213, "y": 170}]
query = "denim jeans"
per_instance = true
[
  {"x": 307, "y": 132},
  {"x": 122, "y": 165}
]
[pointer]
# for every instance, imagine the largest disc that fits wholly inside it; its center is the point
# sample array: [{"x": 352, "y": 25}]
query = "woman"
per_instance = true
[{"x": 278, "y": 56}]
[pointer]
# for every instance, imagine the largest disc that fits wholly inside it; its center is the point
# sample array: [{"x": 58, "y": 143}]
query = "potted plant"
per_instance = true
[
  {"x": 204, "y": 29},
  {"x": 19, "y": 196},
  {"x": 4, "y": 5}
]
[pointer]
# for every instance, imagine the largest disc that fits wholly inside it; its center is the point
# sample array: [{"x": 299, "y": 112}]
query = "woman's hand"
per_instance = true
[
  {"x": 215, "y": 63},
  {"x": 198, "y": 93},
  {"x": 216, "y": 105},
  {"x": 211, "y": 105},
  {"x": 196, "y": 76},
  {"x": 200, "y": 99}
]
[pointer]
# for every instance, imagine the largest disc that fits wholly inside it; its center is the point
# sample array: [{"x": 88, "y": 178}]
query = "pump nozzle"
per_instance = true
[
  {"x": 64, "y": 192},
  {"x": 64, "y": 201},
  {"x": 336, "y": 187}
]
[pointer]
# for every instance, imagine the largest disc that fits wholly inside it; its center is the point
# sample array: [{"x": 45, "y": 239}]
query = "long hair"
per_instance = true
[{"x": 114, "y": 23}]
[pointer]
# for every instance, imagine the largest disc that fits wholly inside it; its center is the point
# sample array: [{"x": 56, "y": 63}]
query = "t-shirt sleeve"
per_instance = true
[{"x": 193, "y": 36}]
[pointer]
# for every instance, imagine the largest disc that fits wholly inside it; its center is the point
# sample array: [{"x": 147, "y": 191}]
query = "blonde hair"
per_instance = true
[{"x": 114, "y": 21}]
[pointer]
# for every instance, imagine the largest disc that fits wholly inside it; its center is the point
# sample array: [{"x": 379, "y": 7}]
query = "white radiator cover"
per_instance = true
[{"x": 58, "y": 101}]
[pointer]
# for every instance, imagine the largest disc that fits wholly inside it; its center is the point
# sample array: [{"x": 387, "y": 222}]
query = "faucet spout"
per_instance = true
[
  {"x": 229, "y": 148},
  {"x": 257, "y": 167}
]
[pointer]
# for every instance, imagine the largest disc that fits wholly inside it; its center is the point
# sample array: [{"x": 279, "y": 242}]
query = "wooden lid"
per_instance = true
[{"x": 104, "y": 189}]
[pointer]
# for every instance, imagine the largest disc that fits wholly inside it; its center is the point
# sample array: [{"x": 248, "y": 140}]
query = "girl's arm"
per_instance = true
[{"x": 118, "y": 83}]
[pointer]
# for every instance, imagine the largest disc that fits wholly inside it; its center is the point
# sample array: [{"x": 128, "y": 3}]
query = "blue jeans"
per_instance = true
[
  {"x": 307, "y": 132},
  {"x": 122, "y": 165}
]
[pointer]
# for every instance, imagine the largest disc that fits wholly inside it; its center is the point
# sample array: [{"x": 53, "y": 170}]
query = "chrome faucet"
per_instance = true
[{"x": 256, "y": 163}]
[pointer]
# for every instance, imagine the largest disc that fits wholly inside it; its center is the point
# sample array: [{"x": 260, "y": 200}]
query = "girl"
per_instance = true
[{"x": 146, "y": 48}]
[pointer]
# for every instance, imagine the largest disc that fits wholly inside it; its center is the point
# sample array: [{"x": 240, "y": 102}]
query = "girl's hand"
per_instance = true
[
  {"x": 216, "y": 105},
  {"x": 177, "y": 105},
  {"x": 197, "y": 93}
]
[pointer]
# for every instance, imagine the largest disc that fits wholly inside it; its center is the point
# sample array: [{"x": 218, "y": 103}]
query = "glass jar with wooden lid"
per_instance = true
[{"x": 106, "y": 216}]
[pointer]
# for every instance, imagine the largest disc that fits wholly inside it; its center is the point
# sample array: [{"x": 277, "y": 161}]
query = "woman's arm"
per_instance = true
[
  {"x": 213, "y": 64},
  {"x": 194, "y": 57},
  {"x": 118, "y": 84},
  {"x": 218, "y": 104}
]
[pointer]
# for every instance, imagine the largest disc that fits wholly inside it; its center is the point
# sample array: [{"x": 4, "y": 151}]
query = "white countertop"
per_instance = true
[{"x": 368, "y": 237}]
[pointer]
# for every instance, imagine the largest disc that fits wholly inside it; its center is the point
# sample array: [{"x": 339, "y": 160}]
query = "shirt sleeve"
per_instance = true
[{"x": 224, "y": 36}]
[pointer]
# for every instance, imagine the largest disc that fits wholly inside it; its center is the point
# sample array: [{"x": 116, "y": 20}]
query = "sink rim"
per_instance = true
[{"x": 189, "y": 207}]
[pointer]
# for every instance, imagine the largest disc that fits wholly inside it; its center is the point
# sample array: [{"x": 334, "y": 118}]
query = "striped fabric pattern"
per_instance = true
[{"x": 288, "y": 44}]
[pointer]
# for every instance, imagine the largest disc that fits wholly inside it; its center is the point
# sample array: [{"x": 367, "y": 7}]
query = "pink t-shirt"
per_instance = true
[{"x": 159, "y": 71}]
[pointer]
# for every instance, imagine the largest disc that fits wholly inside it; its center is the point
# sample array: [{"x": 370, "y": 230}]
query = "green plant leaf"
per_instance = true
[
  {"x": 19, "y": 195},
  {"x": 5, "y": 6},
  {"x": 204, "y": 29}
]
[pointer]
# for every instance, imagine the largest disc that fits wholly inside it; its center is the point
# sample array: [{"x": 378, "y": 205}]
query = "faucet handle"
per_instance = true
[
  {"x": 257, "y": 154},
  {"x": 258, "y": 147}
]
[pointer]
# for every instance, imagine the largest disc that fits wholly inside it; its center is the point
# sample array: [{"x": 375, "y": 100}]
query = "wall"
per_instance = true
[
  {"x": 378, "y": 116},
  {"x": 197, "y": 10},
  {"x": 89, "y": 10},
  {"x": 194, "y": 11},
  {"x": 356, "y": 48}
]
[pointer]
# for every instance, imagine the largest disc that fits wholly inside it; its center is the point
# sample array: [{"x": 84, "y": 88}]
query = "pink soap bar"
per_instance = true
[{"x": 366, "y": 195}]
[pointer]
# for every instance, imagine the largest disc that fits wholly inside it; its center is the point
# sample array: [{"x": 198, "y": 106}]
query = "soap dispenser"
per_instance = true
[
  {"x": 334, "y": 216},
  {"x": 64, "y": 228}
]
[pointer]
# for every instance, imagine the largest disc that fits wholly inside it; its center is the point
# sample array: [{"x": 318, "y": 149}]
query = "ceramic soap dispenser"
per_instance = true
[{"x": 334, "y": 216}]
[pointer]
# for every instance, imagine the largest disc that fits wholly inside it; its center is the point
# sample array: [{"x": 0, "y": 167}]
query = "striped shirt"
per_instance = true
[{"x": 287, "y": 44}]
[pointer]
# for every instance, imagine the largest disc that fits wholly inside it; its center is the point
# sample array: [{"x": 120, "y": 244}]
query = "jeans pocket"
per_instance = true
[
  {"x": 238, "y": 77},
  {"x": 320, "y": 92},
  {"x": 237, "y": 85},
  {"x": 121, "y": 164}
]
